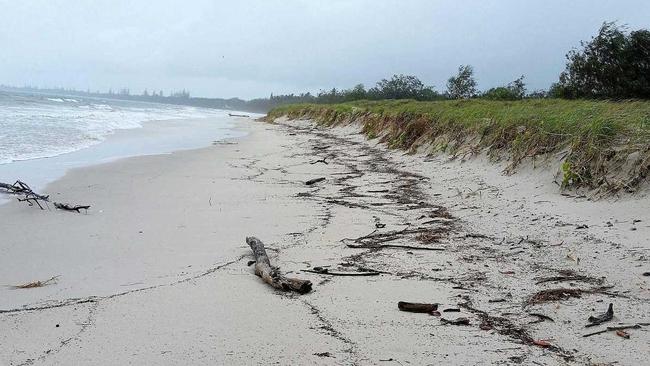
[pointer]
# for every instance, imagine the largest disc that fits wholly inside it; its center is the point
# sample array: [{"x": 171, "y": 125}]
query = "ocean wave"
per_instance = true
[{"x": 41, "y": 129}]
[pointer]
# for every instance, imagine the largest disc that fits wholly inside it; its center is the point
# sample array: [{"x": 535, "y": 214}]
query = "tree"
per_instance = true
[
  {"x": 356, "y": 93},
  {"x": 402, "y": 87},
  {"x": 614, "y": 64},
  {"x": 462, "y": 85},
  {"x": 513, "y": 91},
  {"x": 518, "y": 87}
]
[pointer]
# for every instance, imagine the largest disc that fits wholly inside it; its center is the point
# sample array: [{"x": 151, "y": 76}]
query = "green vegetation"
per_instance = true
[
  {"x": 602, "y": 144},
  {"x": 513, "y": 91},
  {"x": 598, "y": 136},
  {"x": 614, "y": 64},
  {"x": 462, "y": 85}
]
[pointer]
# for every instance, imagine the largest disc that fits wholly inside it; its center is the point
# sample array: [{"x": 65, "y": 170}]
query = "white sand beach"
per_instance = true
[{"x": 156, "y": 271}]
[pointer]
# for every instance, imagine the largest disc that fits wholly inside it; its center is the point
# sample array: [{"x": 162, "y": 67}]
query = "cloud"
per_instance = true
[{"x": 253, "y": 48}]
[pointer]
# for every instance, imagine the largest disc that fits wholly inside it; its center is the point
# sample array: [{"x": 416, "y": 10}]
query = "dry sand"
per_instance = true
[{"x": 156, "y": 272}]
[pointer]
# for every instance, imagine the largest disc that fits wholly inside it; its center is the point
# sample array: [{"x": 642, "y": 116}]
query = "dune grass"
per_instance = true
[{"x": 597, "y": 136}]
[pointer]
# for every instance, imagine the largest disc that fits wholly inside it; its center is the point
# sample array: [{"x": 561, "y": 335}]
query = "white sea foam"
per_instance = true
[{"x": 36, "y": 127}]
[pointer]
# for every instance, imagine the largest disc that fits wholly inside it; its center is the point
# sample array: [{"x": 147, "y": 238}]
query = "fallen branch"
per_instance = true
[
  {"x": 320, "y": 161},
  {"x": 67, "y": 207},
  {"x": 374, "y": 239},
  {"x": 457, "y": 321},
  {"x": 540, "y": 318},
  {"x": 325, "y": 271},
  {"x": 272, "y": 276},
  {"x": 32, "y": 198},
  {"x": 415, "y": 307},
  {"x": 581, "y": 278},
  {"x": 379, "y": 246},
  {"x": 21, "y": 188},
  {"x": 611, "y": 329},
  {"x": 31, "y": 201},
  {"x": 314, "y": 181}
]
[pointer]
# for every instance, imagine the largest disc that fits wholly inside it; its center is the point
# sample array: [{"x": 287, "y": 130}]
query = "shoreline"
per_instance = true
[
  {"x": 161, "y": 258},
  {"x": 152, "y": 138},
  {"x": 72, "y": 177}
]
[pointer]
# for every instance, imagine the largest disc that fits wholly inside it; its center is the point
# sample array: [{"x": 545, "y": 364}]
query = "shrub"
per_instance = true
[
  {"x": 513, "y": 91},
  {"x": 402, "y": 87}
]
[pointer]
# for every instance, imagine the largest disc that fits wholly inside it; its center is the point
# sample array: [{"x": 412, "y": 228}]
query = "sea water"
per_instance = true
[{"x": 42, "y": 136}]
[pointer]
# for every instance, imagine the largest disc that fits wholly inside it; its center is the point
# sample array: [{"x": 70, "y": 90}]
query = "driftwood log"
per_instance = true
[
  {"x": 67, "y": 207},
  {"x": 271, "y": 275},
  {"x": 415, "y": 307},
  {"x": 21, "y": 188},
  {"x": 32, "y": 198},
  {"x": 314, "y": 181}
]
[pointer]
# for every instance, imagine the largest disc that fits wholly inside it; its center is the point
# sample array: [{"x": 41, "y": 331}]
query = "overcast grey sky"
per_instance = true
[{"x": 252, "y": 48}]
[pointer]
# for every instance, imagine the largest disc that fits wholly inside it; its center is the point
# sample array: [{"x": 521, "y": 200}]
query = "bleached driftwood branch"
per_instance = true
[
  {"x": 32, "y": 198},
  {"x": 271, "y": 275}
]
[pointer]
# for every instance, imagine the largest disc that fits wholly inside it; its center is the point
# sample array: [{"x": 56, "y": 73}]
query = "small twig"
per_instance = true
[
  {"x": 327, "y": 272},
  {"x": 540, "y": 318},
  {"x": 610, "y": 329},
  {"x": 378, "y": 246}
]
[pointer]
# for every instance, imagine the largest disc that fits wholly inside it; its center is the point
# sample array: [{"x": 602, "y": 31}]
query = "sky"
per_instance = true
[{"x": 252, "y": 48}]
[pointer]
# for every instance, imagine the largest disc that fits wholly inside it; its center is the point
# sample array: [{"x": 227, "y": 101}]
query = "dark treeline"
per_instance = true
[
  {"x": 176, "y": 97},
  {"x": 615, "y": 64}
]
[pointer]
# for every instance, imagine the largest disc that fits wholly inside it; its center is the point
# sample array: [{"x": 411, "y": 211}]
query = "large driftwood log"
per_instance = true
[{"x": 271, "y": 275}]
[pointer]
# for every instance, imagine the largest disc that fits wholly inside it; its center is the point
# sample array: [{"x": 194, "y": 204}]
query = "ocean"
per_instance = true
[{"x": 42, "y": 136}]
